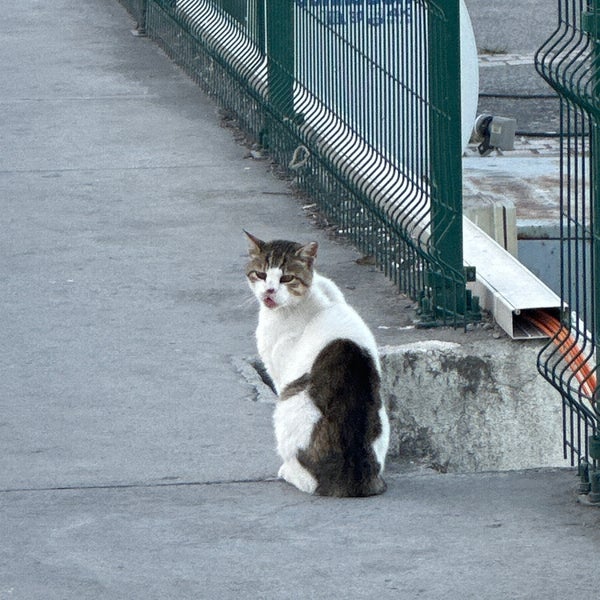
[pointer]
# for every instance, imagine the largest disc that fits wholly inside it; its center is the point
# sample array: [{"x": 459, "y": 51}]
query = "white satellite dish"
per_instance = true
[{"x": 469, "y": 74}]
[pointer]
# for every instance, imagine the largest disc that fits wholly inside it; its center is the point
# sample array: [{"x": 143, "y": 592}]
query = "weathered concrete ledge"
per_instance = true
[{"x": 475, "y": 407}]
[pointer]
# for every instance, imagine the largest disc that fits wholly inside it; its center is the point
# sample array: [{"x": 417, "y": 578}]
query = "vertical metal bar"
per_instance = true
[
  {"x": 137, "y": 9},
  {"x": 256, "y": 23},
  {"x": 594, "y": 128},
  {"x": 445, "y": 154},
  {"x": 280, "y": 54},
  {"x": 238, "y": 9},
  {"x": 589, "y": 307}
]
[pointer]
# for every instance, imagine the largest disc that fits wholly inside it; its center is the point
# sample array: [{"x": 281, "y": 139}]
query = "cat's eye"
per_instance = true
[
  {"x": 286, "y": 278},
  {"x": 260, "y": 275}
]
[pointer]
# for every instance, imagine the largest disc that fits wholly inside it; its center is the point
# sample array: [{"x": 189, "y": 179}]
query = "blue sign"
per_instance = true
[{"x": 356, "y": 12}]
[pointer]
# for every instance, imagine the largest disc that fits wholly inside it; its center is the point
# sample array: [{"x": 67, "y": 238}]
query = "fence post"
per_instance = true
[
  {"x": 595, "y": 171},
  {"x": 445, "y": 149},
  {"x": 137, "y": 9},
  {"x": 590, "y": 24},
  {"x": 236, "y": 9},
  {"x": 142, "y": 13},
  {"x": 280, "y": 55}
]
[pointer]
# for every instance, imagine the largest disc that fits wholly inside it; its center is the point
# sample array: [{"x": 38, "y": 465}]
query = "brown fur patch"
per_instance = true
[{"x": 344, "y": 385}]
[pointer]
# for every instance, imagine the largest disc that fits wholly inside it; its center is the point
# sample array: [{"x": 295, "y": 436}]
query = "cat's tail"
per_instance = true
[
  {"x": 373, "y": 487},
  {"x": 349, "y": 481},
  {"x": 376, "y": 486}
]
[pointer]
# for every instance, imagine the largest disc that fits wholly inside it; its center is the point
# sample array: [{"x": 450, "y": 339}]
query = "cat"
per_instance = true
[{"x": 331, "y": 428}]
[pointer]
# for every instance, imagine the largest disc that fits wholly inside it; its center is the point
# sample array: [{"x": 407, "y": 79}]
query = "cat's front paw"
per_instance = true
[
  {"x": 293, "y": 472},
  {"x": 281, "y": 472}
]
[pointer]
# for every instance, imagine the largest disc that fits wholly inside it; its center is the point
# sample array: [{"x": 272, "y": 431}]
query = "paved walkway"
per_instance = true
[{"x": 134, "y": 462}]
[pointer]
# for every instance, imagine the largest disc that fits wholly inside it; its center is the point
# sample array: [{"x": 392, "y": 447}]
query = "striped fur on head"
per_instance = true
[{"x": 290, "y": 262}]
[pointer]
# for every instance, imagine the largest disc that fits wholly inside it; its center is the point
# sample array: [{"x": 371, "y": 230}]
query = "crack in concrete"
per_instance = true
[{"x": 127, "y": 486}]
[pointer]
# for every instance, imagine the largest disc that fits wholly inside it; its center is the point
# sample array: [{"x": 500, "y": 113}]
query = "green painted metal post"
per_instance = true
[
  {"x": 238, "y": 10},
  {"x": 590, "y": 23},
  {"x": 137, "y": 9},
  {"x": 280, "y": 55},
  {"x": 141, "y": 17},
  {"x": 445, "y": 148},
  {"x": 258, "y": 25},
  {"x": 595, "y": 166}
]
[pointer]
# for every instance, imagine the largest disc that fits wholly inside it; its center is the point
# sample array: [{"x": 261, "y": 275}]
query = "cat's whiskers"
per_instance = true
[{"x": 250, "y": 300}]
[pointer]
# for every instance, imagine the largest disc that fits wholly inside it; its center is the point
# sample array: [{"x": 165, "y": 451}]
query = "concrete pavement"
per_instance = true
[
  {"x": 437, "y": 536},
  {"x": 134, "y": 460}
]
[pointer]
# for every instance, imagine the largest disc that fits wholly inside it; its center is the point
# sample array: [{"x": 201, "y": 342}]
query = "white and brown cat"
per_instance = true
[{"x": 331, "y": 427}]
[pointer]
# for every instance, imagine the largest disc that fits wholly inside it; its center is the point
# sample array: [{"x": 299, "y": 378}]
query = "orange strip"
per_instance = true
[{"x": 560, "y": 335}]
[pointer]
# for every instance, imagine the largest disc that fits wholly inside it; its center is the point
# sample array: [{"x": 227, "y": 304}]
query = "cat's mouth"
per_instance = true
[{"x": 269, "y": 302}]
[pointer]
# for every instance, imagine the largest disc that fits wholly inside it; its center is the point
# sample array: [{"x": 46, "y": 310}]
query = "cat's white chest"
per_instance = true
[
  {"x": 278, "y": 338},
  {"x": 289, "y": 340}
]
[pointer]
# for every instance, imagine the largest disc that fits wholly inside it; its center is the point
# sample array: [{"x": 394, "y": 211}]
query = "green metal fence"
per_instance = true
[
  {"x": 137, "y": 9},
  {"x": 360, "y": 101},
  {"x": 570, "y": 62}
]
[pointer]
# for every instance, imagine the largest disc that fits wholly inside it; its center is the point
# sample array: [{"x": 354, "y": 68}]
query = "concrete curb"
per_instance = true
[{"x": 471, "y": 407}]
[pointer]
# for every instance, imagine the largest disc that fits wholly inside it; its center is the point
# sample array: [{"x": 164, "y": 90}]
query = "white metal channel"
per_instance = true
[{"x": 505, "y": 287}]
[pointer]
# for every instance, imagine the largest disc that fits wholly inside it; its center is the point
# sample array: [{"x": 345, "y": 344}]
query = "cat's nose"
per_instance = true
[{"x": 271, "y": 290}]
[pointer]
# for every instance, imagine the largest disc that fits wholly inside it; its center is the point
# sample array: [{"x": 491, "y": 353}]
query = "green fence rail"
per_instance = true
[
  {"x": 570, "y": 62},
  {"x": 360, "y": 101}
]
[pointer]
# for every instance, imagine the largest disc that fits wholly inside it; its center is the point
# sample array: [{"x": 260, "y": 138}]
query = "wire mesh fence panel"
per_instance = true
[
  {"x": 570, "y": 62},
  {"x": 360, "y": 102},
  {"x": 221, "y": 51}
]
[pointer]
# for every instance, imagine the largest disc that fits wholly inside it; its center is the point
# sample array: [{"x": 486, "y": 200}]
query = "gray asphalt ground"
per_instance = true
[{"x": 134, "y": 459}]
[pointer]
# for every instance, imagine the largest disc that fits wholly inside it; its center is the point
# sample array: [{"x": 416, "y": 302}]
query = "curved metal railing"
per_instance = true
[
  {"x": 361, "y": 101},
  {"x": 570, "y": 62}
]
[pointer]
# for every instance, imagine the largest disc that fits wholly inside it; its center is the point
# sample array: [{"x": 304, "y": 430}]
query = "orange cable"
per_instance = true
[
  {"x": 559, "y": 334},
  {"x": 562, "y": 337},
  {"x": 584, "y": 373}
]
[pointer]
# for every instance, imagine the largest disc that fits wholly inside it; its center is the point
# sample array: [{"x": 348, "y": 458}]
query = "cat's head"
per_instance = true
[{"x": 280, "y": 273}]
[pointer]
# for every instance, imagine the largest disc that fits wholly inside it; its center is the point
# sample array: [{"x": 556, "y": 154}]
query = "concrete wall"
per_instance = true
[{"x": 474, "y": 407}]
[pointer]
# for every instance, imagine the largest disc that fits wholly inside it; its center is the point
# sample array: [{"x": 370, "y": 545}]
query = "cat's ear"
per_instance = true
[
  {"x": 308, "y": 251},
  {"x": 256, "y": 245}
]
